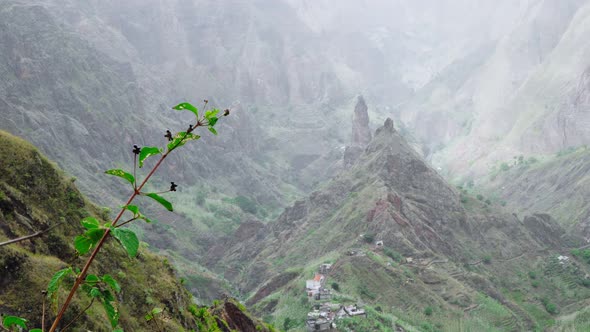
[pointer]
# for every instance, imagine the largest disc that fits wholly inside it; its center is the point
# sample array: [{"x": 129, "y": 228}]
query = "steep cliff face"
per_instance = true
[{"x": 511, "y": 97}]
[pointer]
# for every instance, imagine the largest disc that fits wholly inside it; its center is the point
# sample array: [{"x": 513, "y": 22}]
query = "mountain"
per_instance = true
[
  {"x": 522, "y": 94},
  {"x": 441, "y": 249}
]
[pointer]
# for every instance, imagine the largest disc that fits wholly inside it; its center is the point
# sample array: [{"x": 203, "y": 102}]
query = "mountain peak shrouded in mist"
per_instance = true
[{"x": 361, "y": 134}]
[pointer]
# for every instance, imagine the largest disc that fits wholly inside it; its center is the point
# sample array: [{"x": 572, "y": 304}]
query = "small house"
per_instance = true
[
  {"x": 325, "y": 268},
  {"x": 351, "y": 311},
  {"x": 319, "y": 324},
  {"x": 323, "y": 294},
  {"x": 313, "y": 286}
]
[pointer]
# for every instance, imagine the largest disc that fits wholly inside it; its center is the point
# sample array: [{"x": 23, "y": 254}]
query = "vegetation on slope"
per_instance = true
[{"x": 35, "y": 195}]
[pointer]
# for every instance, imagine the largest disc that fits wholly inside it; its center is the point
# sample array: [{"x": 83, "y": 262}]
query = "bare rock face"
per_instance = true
[{"x": 361, "y": 133}]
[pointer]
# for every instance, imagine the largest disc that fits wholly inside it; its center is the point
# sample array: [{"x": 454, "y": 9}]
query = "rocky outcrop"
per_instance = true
[{"x": 361, "y": 133}]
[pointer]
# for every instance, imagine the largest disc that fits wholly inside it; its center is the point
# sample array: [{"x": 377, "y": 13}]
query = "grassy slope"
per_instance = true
[
  {"x": 34, "y": 195},
  {"x": 555, "y": 184}
]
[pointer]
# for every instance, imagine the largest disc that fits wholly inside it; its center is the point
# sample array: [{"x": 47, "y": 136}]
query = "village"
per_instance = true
[{"x": 324, "y": 314}]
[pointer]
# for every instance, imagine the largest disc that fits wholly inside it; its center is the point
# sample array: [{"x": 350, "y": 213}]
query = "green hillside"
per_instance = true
[{"x": 35, "y": 195}]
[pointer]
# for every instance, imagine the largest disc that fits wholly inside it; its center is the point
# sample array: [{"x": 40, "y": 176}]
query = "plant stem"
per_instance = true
[
  {"x": 128, "y": 221},
  {"x": 43, "y": 316},
  {"x": 80, "y": 314},
  {"x": 39, "y": 233}
]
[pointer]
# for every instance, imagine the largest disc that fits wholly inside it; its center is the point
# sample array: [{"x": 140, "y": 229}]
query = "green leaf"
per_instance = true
[
  {"x": 161, "y": 200},
  {"x": 211, "y": 113},
  {"x": 146, "y": 219},
  {"x": 95, "y": 292},
  {"x": 146, "y": 152},
  {"x": 180, "y": 139},
  {"x": 83, "y": 243},
  {"x": 107, "y": 295},
  {"x": 122, "y": 174},
  {"x": 128, "y": 240},
  {"x": 90, "y": 223},
  {"x": 187, "y": 107},
  {"x": 134, "y": 209},
  {"x": 109, "y": 280},
  {"x": 213, "y": 121},
  {"x": 95, "y": 234},
  {"x": 156, "y": 311},
  {"x": 212, "y": 130},
  {"x": 86, "y": 289},
  {"x": 56, "y": 280},
  {"x": 92, "y": 279},
  {"x": 10, "y": 321},
  {"x": 35, "y": 330},
  {"x": 112, "y": 313}
]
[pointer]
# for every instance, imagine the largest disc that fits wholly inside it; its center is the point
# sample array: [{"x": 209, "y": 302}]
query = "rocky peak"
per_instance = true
[{"x": 361, "y": 133}]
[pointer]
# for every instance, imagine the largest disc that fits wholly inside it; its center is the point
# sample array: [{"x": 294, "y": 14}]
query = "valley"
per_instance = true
[{"x": 433, "y": 153}]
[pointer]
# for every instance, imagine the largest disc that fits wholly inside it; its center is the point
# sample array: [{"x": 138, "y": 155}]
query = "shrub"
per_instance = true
[
  {"x": 479, "y": 197},
  {"x": 532, "y": 274},
  {"x": 246, "y": 204},
  {"x": 369, "y": 238},
  {"x": 335, "y": 286},
  {"x": 487, "y": 259},
  {"x": 488, "y": 202},
  {"x": 396, "y": 256},
  {"x": 365, "y": 292},
  {"x": 549, "y": 306},
  {"x": 583, "y": 254},
  {"x": 288, "y": 324},
  {"x": 535, "y": 283},
  {"x": 200, "y": 198},
  {"x": 504, "y": 167},
  {"x": 428, "y": 311}
]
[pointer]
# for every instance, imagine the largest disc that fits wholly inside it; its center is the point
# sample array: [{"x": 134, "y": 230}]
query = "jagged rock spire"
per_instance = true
[{"x": 361, "y": 133}]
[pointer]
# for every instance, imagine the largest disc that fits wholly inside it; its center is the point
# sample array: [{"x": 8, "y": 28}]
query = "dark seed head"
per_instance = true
[
  {"x": 226, "y": 112},
  {"x": 173, "y": 186}
]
